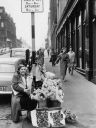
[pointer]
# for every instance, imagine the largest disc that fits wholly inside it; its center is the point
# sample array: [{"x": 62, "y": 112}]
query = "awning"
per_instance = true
[{"x": 67, "y": 16}]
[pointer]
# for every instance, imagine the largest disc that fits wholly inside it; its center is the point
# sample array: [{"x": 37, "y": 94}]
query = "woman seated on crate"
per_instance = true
[{"x": 21, "y": 93}]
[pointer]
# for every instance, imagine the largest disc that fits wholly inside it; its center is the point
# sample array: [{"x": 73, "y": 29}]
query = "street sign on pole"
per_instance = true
[{"x": 31, "y": 6}]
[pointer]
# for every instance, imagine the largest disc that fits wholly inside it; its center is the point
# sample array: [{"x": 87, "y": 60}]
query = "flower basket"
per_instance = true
[
  {"x": 70, "y": 118},
  {"x": 53, "y": 103},
  {"x": 42, "y": 104},
  {"x": 56, "y": 103}
]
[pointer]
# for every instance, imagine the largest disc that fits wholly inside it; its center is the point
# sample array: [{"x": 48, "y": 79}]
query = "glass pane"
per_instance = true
[
  {"x": 80, "y": 20},
  {"x": 19, "y": 53},
  {"x": 80, "y": 48},
  {"x": 86, "y": 54}
]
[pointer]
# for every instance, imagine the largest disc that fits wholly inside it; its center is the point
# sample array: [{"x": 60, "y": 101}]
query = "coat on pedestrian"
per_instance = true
[
  {"x": 53, "y": 57},
  {"x": 71, "y": 61},
  {"x": 63, "y": 57}
]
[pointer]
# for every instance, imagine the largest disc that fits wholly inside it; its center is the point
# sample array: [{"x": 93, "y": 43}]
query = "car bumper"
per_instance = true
[{"x": 5, "y": 93}]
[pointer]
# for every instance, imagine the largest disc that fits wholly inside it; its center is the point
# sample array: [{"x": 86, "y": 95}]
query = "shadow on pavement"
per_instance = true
[{"x": 26, "y": 123}]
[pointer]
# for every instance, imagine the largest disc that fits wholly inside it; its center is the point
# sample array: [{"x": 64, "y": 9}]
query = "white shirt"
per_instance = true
[
  {"x": 38, "y": 73},
  {"x": 71, "y": 56},
  {"x": 24, "y": 82}
]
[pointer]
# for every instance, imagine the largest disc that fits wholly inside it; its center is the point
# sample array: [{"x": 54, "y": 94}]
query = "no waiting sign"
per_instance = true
[{"x": 31, "y": 5}]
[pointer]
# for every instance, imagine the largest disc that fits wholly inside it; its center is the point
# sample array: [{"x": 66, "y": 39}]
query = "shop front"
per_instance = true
[{"x": 77, "y": 29}]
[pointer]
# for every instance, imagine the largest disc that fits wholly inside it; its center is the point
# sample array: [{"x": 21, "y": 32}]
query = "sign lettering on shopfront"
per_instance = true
[{"x": 31, "y": 5}]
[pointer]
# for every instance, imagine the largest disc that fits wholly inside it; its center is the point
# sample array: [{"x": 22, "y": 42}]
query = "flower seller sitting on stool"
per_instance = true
[{"x": 21, "y": 93}]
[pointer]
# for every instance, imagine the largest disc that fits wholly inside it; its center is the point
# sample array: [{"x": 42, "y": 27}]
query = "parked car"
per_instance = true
[
  {"x": 7, "y": 49},
  {"x": 1, "y": 51},
  {"x": 18, "y": 52},
  {"x": 8, "y": 66}
]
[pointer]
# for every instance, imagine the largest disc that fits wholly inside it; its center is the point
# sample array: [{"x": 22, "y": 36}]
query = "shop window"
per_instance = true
[
  {"x": 79, "y": 20},
  {"x": 79, "y": 41},
  {"x": 80, "y": 48},
  {"x": 84, "y": 18},
  {"x": 94, "y": 8},
  {"x": 73, "y": 27},
  {"x": 73, "y": 40},
  {"x": 85, "y": 35},
  {"x": 86, "y": 53}
]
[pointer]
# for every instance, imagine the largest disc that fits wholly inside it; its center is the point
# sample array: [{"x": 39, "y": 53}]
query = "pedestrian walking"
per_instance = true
[
  {"x": 63, "y": 57},
  {"x": 48, "y": 50},
  {"x": 53, "y": 57},
  {"x": 40, "y": 54},
  {"x": 71, "y": 61}
]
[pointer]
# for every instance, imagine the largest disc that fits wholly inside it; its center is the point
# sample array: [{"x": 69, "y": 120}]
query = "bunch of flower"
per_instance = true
[
  {"x": 70, "y": 117},
  {"x": 50, "y": 89}
]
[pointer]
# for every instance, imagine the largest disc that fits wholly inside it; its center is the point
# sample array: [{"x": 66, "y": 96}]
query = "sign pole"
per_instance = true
[
  {"x": 32, "y": 6},
  {"x": 33, "y": 45}
]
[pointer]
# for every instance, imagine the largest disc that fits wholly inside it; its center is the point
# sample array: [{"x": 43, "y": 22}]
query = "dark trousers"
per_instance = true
[
  {"x": 27, "y": 103},
  {"x": 38, "y": 84}
]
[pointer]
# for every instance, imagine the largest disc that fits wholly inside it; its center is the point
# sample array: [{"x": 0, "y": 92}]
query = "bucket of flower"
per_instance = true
[
  {"x": 70, "y": 118},
  {"x": 49, "y": 112}
]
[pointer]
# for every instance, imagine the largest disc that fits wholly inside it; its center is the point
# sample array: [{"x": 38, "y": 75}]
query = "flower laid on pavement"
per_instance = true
[{"x": 70, "y": 117}]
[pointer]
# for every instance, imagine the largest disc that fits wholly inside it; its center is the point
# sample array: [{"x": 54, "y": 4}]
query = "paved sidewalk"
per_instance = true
[{"x": 80, "y": 97}]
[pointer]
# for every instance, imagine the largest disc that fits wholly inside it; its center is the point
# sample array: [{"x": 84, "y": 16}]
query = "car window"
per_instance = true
[
  {"x": 19, "y": 53},
  {"x": 8, "y": 68}
]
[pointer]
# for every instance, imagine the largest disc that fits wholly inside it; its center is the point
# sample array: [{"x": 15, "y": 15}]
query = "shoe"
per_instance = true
[
  {"x": 65, "y": 80},
  {"x": 69, "y": 70}
]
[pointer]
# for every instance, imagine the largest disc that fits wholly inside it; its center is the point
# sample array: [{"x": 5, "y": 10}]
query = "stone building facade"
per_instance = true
[
  {"x": 53, "y": 23},
  {"x": 7, "y": 30},
  {"x": 76, "y": 27},
  {"x": 56, "y": 10}
]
